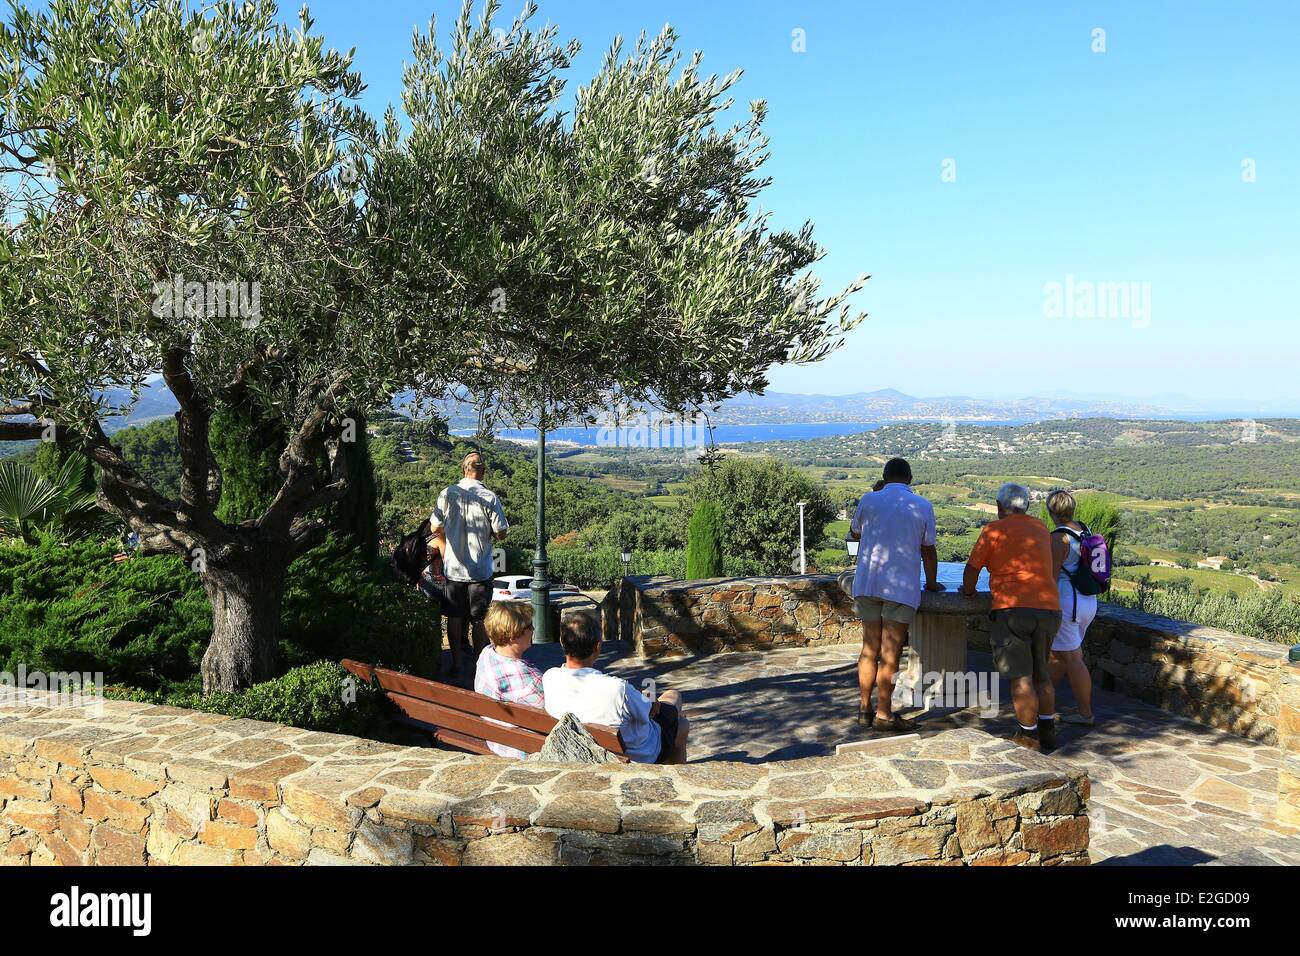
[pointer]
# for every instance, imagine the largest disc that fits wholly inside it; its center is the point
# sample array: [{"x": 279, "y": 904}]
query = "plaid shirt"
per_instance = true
[{"x": 507, "y": 679}]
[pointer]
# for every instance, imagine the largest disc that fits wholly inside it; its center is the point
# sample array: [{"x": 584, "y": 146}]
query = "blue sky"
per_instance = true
[{"x": 1117, "y": 166}]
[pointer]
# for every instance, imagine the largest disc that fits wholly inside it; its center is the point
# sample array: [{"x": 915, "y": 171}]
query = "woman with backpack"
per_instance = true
[{"x": 1081, "y": 564}]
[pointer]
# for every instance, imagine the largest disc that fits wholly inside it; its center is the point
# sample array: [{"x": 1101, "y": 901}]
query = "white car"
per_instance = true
[
  {"x": 519, "y": 587},
  {"x": 512, "y": 587}
]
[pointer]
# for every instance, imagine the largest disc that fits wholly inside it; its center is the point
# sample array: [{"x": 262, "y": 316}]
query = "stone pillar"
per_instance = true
[
  {"x": 938, "y": 645},
  {"x": 1288, "y": 734},
  {"x": 609, "y": 630}
]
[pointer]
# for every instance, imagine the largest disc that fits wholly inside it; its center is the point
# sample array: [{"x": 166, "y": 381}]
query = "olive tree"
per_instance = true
[
  {"x": 193, "y": 194},
  {"x": 616, "y": 254},
  {"x": 183, "y": 200}
]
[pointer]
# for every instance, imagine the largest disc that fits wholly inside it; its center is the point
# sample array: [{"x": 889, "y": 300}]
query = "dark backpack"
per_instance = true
[
  {"x": 411, "y": 556},
  {"x": 1092, "y": 575}
]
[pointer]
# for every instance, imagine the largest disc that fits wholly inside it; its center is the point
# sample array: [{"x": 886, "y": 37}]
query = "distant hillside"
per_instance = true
[
  {"x": 885, "y": 405},
  {"x": 973, "y": 440},
  {"x": 892, "y": 405}
]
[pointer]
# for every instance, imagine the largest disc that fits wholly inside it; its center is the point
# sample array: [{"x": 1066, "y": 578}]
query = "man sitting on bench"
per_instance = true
[{"x": 651, "y": 732}]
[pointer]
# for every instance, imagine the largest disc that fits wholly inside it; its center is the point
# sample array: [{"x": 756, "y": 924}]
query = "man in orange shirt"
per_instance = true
[{"x": 1017, "y": 550}]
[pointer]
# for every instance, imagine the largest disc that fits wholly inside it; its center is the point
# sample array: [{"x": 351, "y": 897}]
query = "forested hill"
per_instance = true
[{"x": 412, "y": 464}]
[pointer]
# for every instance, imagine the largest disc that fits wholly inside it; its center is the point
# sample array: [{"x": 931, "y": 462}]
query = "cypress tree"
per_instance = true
[
  {"x": 704, "y": 542},
  {"x": 356, "y": 515},
  {"x": 247, "y": 446}
]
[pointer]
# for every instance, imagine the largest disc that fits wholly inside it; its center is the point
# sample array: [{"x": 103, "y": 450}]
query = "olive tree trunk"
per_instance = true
[{"x": 246, "y": 598}]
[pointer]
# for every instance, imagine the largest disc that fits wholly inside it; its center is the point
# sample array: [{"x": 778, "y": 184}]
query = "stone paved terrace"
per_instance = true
[{"x": 1165, "y": 790}]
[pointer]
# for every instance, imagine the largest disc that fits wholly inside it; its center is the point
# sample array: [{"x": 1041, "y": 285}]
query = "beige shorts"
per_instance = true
[{"x": 873, "y": 610}]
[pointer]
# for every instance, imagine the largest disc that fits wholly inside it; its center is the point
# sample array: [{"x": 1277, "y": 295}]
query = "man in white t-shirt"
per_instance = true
[
  {"x": 467, "y": 519},
  {"x": 651, "y": 731},
  {"x": 896, "y": 534}
]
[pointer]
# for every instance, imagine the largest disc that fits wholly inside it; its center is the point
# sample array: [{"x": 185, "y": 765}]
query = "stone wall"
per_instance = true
[
  {"x": 677, "y": 618},
  {"x": 1227, "y": 681},
  {"x": 142, "y": 784},
  {"x": 1221, "y": 679},
  {"x": 1288, "y": 773}
]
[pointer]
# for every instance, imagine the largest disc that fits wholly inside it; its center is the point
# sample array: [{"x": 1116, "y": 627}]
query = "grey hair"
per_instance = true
[{"x": 1013, "y": 497}]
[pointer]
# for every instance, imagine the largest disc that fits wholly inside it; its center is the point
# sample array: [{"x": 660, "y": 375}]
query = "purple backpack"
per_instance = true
[{"x": 1092, "y": 576}]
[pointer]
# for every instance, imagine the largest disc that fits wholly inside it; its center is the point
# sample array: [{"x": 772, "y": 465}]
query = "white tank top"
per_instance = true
[{"x": 1071, "y": 562}]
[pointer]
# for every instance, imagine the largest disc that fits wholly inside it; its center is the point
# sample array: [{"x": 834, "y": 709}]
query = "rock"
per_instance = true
[
  {"x": 975, "y": 830},
  {"x": 642, "y": 790},
  {"x": 923, "y": 843},
  {"x": 382, "y": 845},
  {"x": 581, "y": 811},
  {"x": 570, "y": 742},
  {"x": 1067, "y": 835},
  {"x": 525, "y": 848},
  {"x": 815, "y": 845}
]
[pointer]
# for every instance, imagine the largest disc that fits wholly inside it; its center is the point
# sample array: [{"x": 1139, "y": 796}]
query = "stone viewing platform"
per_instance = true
[
  {"x": 1224, "y": 680},
  {"x": 1195, "y": 758},
  {"x": 159, "y": 785}
]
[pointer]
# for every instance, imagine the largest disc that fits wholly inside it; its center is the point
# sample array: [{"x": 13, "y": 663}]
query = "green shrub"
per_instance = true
[
  {"x": 336, "y": 607},
  {"x": 1099, "y": 512},
  {"x": 246, "y": 444},
  {"x": 144, "y": 622},
  {"x": 704, "y": 542},
  {"x": 759, "y": 499},
  {"x": 1265, "y": 615},
  {"x": 645, "y": 529},
  {"x": 318, "y": 696},
  {"x": 600, "y": 567}
]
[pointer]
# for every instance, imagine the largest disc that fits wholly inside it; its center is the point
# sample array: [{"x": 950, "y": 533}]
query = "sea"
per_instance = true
[{"x": 722, "y": 434}]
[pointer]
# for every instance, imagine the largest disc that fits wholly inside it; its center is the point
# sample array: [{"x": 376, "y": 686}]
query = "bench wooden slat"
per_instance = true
[
  {"x": 467, "y": 702},
  {"x": 462, "y": 741},
  {"x": 473, "y": 744},
  {"x": 461, "y": 722},
  {"x": 467, "y": 709},
  {"x": 521, "y": 715}
]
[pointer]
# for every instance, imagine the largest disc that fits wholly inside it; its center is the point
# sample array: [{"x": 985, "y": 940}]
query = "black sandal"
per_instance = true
[{"x": 866, "y": 715}]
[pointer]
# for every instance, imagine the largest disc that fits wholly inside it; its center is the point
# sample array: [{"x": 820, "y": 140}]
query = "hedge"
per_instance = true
[
  {"x": 318, "y": 696},
  {"x": 600, "y": 567},
  {"x": 144, "y": 622}
]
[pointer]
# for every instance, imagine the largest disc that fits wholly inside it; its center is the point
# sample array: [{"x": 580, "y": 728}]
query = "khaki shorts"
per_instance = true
[
  {"x": 873, "y": 610},
  {"x": 1020, "y": 638}
]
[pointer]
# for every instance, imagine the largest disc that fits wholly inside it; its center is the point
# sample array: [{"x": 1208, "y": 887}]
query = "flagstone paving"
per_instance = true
[{"x": 1165, "y": 790}]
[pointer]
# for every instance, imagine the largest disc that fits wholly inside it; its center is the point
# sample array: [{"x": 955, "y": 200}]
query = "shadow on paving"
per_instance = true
[
  {"x": 1167, "y": 791},
  {"x": 1163, "y": 855}
]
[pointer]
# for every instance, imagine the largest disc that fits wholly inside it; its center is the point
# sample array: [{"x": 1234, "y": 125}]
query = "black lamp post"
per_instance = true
[
  {"x": 541, "y": 585},
  {"x": 625, "y": 555}
]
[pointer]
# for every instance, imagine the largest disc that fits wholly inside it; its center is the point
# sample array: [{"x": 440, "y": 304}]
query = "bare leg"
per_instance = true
[
  {"x": 868, "y": 659},
  {"x": 1056, "y": 665},
  {"x": 1024, "y": 698},
  {"x": 674, "y": 699},
  {"x": 891, "y": 648},
  {"x": 1080, "y": 681},
  {"x": 1046, "y": 697}
]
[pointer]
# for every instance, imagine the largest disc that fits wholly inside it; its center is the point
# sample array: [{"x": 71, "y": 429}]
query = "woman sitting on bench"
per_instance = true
[{"x": 502, "y": 673}]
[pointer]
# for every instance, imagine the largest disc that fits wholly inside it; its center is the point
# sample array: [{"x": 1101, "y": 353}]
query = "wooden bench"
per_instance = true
[{"x": 458, "y": 718}]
